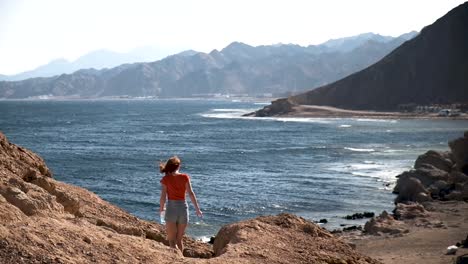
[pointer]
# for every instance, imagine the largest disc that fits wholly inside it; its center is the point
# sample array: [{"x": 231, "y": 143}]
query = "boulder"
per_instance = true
[
  {"x": 411, "y": 190},
  {"x": 439, "y": 189},
  {"x": 439, "y": 160},
  {"x": 426, "y": 175},
  {"x": 409, "y": 211},
  {"x": 458, "y": 177},
  {"x": 384, "y": 223},
  {"x": 459, "y": 148}
]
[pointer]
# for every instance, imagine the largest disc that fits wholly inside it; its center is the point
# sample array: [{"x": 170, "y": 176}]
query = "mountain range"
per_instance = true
[
  {"x": 431, "y": 68},
  {"x": 98, "y": 59},
  {"x": 237, "y": 69}
]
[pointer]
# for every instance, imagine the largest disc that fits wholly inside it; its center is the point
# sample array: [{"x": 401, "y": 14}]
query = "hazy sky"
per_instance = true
[{"x": 35, "y": 32}]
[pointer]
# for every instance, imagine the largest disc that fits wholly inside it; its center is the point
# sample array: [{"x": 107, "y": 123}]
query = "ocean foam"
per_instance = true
[{"x": 360, "y": 149}]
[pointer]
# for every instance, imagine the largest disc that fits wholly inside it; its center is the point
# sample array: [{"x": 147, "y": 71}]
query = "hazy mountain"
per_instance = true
[
  {"x": 98, "y": 59},
  {"x": 350, "y": 43},
  {"x": 237, "y": 69},
  {"x": 431, "y": 68}
]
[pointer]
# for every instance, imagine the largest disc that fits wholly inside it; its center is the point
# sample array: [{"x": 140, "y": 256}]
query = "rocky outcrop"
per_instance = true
[
  {"x": 439, "y": 160},
  {"x": 46, "y": 221},
  {"x": 43, "y": 220},
  {"x": 384, "y": 224},
  {"x": 278, "y": 107},
  {"x": 436, "y": 175},
  {"x": 283, "y": 239}
]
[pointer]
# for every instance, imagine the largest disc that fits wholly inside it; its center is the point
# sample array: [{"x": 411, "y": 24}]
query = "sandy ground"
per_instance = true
[
  {"x": 422, "y": 245},
  {"x": 328, "y": 111}
]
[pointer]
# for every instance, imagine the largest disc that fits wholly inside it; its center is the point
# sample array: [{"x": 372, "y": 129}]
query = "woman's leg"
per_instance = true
[
  {"x": 171, "y": 231},
  {"x": 180, "y": 235}
]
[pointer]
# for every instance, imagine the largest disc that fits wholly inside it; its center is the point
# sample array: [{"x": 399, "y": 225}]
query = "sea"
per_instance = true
[{"x": 240, "y": 167}]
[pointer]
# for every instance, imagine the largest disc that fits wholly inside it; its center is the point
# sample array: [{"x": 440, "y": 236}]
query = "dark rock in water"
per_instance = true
[
  {"x": 369, "y": 214},
  {"x": 278, "y": 107},
  {"x": 360, "y": 216},
  {"x": 352, "y": 228},
  {"x": 437, "y": 159},
  {"x": 323, "y": 221}
]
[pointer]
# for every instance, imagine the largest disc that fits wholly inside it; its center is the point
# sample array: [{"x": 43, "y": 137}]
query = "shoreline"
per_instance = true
[
  {"x": 317, "y": 111},
  {"x": 425, "y": 239}
]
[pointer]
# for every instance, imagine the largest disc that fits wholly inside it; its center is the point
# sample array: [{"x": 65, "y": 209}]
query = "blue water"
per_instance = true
[{"x": 240, "y": 167}]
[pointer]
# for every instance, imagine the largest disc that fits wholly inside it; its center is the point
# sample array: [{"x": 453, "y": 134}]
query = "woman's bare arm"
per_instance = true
[
  {"x": 193, "y": 198},
  {"x": 162, "y": 199}
]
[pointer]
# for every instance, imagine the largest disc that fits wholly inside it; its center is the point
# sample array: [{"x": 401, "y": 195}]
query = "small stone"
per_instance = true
[
  {"x": 87, "y": 240},
  {"x": 451, "y": 250}
]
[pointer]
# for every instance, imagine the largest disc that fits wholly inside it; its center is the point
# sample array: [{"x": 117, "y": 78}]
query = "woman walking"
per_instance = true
[{"x": 174, "y": 186}]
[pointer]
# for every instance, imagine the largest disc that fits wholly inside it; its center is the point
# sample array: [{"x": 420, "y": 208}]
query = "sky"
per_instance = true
[{"x": 33, "y": 33}]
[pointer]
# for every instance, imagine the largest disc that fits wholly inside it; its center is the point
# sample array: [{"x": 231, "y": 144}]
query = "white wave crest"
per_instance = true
[{"x": 360, "y": 149}]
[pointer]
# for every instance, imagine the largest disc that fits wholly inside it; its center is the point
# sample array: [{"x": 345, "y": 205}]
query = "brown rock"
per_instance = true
[
  {"x": 282, "y": 239},
  {"x": 409, "y": 211},
  {"x": 384, "y": 223}
]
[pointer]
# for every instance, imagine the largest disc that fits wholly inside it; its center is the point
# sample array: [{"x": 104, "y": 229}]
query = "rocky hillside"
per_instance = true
[
  {"x": 236, "y": 69},
  {"x": 431, "y": 68},
  {"x": 46, "y": 221}
]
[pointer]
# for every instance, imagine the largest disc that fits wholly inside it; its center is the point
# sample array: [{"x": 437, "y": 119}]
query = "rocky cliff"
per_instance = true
[
  {"x": 236, "y": 69},
  {"x": 46, "y": 221},
  {"x": 431, "y": 68}
]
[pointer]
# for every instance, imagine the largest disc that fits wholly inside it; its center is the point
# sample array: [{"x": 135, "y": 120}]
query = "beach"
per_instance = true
[{"x": 310, "y": 111}]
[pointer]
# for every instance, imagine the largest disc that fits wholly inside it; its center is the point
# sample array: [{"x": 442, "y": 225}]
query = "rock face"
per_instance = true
[
  {"x": 46, "y": 221},
  {"x": 432, "y": 68}
]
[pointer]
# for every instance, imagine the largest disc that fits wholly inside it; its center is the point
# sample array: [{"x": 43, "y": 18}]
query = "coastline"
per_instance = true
[{"x": 285, "y": 109}]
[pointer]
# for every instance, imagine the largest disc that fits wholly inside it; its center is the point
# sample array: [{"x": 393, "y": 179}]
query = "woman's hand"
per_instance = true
[{"x": 199, "y": 213}]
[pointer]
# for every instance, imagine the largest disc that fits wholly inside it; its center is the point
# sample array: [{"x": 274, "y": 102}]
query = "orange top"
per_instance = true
[{"x": 176, "y": 186}]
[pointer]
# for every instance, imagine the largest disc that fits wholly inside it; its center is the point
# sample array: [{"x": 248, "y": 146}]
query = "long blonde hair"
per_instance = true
[{"x": 170, "y": 166}]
